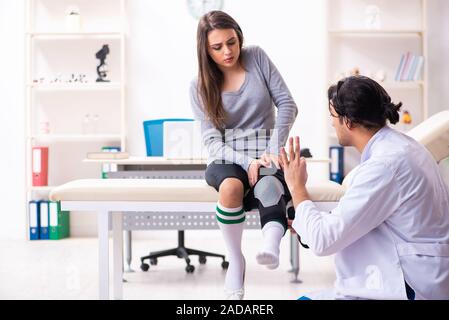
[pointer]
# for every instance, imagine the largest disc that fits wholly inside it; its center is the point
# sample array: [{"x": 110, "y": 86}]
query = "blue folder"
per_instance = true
[
  {"x": 336, "y": 167},
  {"x": 44, "y": 228},
  {"x": 34, "y": 219}
]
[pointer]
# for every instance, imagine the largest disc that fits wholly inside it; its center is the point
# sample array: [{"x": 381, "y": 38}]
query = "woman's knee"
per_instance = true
[{"x": 231, "y": 192}]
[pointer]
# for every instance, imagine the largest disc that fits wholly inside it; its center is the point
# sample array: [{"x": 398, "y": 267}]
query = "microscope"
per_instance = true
[{"x": 102, "y": 68}]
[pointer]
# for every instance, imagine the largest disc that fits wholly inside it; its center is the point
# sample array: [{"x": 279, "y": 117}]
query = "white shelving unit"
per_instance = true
[
  {"x": 54, "y": 56},
  {"x": 74, "y": 35},
  {"x": 376, "y": 33},
  {"x": 76, "y": 87},
  {"x": 373, "y": 46}
]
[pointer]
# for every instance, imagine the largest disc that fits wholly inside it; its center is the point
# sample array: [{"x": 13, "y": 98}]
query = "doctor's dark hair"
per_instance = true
[
  {"x": 210, "y": 77},
  {"x": 362, "y": 101}
]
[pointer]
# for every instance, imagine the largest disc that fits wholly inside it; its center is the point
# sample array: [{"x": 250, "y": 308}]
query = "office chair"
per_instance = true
[
  {"x": 153, "y": 131},
  {"x": 183, "y": 253}
]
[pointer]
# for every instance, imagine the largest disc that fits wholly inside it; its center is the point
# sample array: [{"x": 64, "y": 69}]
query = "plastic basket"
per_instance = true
[{"x": 154, "y": 135}]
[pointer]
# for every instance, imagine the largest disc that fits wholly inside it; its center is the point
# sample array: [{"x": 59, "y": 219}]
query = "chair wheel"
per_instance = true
[
  {"x": 190, "y": 268},
  {"x": 225, "y": 264},
  {"x": 144, "y": 267},
  {"x": 202, "y": 259},
  {"x": 153, "y": 261}
]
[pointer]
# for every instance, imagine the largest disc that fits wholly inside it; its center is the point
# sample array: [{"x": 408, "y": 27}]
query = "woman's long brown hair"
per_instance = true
[{"x": 210, "y": 77}]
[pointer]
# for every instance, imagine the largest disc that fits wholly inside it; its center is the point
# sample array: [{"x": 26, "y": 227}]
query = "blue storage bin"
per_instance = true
[{"x": 154, "y": 131}]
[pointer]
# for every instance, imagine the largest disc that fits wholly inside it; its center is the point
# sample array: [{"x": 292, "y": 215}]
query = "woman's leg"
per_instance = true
[
  {"x": 231, "y": 219},
  {"x": 272, "y": 194},
  {"x": 231, "y": 181}
]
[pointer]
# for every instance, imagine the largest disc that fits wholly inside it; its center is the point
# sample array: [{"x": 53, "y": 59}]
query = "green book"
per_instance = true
[{"x": 59, "y": 221}]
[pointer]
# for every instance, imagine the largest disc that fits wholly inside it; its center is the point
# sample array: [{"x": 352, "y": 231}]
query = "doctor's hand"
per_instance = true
[{"x": 295, "y": 169}]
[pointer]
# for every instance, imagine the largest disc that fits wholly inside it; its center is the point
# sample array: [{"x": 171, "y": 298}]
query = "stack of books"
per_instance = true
[
  {"x": 410, "y": 67},
  {"x": 108, "y": 153}
]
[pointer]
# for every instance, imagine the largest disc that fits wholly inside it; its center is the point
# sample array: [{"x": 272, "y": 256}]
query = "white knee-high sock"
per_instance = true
[
  {"x": 272, "y": 233},
  {"x": 231, "y": 222}
]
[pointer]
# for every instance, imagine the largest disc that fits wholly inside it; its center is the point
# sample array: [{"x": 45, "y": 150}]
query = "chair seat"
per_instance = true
[{"x": 166, "y": 190}]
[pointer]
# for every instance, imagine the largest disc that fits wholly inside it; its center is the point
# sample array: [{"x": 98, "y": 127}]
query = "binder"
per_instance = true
[
  {"x": 44, "y": 233},
  {"x": 59, "y": 221},
  {"x": 33, "y": 218},
  {"x": 40, "y": 166},
  {"x": 336, "y": 167}
]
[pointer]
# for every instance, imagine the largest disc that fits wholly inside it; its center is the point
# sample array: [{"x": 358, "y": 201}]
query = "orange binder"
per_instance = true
[{"x": 40, "y": 166}]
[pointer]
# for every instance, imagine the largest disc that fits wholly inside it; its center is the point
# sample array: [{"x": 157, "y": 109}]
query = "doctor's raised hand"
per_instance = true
[{"x": 295, "y": 171}]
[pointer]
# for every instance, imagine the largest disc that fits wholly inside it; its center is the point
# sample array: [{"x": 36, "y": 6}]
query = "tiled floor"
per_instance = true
[{"x": 67, "y": 269}]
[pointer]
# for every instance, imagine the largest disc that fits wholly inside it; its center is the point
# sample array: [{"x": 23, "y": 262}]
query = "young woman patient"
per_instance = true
[{"x": 234, "y": 96}]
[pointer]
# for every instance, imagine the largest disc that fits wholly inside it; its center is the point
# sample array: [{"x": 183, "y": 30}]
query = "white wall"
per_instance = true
[
  {"x": 12, "y": 116},
  {"x": 161, "y": 57},
  {"x": 162, "y": 60},
  {"x": 438, "y": 34}
]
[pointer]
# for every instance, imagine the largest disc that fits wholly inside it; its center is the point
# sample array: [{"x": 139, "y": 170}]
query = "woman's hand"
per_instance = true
[
  {"x": 265, "y": 161},
  {"x": 253, "y": 171},
  {"x": 268, "y": 158}
]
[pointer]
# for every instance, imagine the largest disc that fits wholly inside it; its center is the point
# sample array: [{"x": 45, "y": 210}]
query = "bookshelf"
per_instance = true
[
  {"x": 371, "y": 37},
  {"x": 66, "y": 109}
]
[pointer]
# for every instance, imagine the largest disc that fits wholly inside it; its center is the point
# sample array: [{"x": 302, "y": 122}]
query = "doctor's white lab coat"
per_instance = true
[{"x": 391, "y": 226}]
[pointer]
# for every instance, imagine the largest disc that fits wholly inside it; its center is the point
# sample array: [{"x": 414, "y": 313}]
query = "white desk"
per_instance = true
[
  {"x": 164, "y": 161},
  {"x": 148, "y": 161}
]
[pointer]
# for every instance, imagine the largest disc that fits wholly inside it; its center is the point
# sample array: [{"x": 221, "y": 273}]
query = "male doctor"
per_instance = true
[{"x": 390, "y": 231}]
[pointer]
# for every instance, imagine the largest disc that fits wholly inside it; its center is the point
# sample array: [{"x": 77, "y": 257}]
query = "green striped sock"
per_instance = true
[{"x": 230, "y": 215}]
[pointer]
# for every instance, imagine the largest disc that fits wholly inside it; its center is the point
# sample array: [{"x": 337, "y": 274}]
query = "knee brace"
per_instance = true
[
  {"x": 291, "y": 216},
  {"x": 272, "y": 207},
  {"x": 290, "y": 210}
]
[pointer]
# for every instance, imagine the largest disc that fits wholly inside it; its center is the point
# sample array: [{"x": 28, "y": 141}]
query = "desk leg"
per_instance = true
[
  {"x": 103, "y": 255},
  {"x": 294, "y": 256},
  {"x": 128, "y": 249},
  {"x": 117, "y": 271}
]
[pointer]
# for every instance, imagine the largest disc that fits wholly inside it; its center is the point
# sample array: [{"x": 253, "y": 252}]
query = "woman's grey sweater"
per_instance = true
[{"x": 251, "y": 126}]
